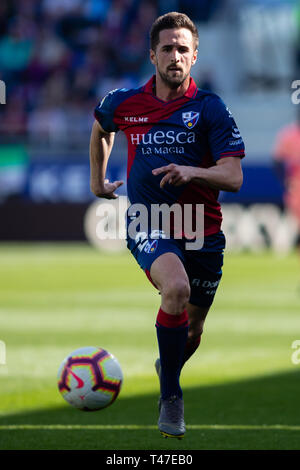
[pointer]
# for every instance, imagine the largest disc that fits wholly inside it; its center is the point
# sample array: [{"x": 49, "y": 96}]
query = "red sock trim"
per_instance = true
[{"x": 172, "y": 321}]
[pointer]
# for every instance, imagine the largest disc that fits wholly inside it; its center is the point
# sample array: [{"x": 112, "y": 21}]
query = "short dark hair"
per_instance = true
[{"x": 170, "y": 21}]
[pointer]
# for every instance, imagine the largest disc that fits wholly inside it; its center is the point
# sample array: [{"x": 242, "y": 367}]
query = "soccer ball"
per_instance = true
[{"x": 90, "y": 378}]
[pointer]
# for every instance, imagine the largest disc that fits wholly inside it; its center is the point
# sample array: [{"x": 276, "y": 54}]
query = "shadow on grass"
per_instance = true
[{"x": 268, "y": 400}]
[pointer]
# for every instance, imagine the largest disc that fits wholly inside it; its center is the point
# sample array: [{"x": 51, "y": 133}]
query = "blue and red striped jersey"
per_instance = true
[{"x": 196, "y": 129}]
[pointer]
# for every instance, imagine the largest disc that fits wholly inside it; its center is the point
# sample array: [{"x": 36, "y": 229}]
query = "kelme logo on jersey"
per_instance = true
[{"x": 190, "y": 119}]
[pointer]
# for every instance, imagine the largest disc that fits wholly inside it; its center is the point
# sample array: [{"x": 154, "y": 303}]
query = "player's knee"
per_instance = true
[
  {"x": 179, "y": 291},
  {"x": 176, "y": 294}
]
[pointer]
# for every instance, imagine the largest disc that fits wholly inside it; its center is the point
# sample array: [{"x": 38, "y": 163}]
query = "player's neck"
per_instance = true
[{"x": 165, "y": 93}]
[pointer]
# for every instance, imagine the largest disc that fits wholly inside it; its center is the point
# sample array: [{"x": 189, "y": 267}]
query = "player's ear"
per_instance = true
[
  {"x": 194, "y": 59},
  {"x": 153, "y": 57}
]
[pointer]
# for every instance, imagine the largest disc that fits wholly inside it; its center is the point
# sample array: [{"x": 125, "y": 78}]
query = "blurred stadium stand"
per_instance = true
[{"x": 58, "y": 58}]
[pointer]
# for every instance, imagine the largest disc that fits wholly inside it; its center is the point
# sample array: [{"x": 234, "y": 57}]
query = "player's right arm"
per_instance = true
[{"x": 101, "y": 144}]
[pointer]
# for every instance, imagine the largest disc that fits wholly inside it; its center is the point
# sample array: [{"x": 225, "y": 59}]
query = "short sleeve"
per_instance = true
[
  {"x": 224, "y": 136},
  {"x": 105, "y": 111}
]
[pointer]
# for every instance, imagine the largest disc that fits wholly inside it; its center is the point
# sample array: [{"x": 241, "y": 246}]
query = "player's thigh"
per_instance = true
[
  {"x": 168, "y": 274},
  {"x": 162, "y": 261}
]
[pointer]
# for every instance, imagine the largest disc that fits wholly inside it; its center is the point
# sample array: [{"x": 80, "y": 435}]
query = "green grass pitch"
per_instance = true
[{"x": 241, "y": 388}]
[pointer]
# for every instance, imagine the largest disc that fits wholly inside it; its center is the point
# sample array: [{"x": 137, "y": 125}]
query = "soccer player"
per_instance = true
[
  {"x": 183, "y": 147},
  {"x": 287, "y": 162}
]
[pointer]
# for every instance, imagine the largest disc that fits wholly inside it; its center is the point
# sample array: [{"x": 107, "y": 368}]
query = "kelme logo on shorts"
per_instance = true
[{"x": 190, "y": 119}]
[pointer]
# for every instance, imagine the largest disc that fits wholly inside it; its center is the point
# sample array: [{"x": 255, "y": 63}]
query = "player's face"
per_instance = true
[{"x": 174, "y": 56}]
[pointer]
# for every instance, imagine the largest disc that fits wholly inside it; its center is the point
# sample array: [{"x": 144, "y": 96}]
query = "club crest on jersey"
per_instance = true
[{"x": 190, "y": 119}]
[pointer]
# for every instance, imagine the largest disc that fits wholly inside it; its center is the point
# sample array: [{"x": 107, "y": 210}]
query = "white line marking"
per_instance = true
[{"x": 134, "y": 427}]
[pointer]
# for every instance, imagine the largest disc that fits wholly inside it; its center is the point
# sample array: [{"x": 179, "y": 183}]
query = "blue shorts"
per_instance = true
[{"x": 203, "y": 267}]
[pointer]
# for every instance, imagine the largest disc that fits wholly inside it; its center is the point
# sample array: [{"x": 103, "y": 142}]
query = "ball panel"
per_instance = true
[{"x": 111, "y": 370}]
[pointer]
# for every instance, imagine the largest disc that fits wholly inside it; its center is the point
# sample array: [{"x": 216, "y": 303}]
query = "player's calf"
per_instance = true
[
  {"x": 197, "y": 316},
  {"x": 172, "y": 333},
  {"x": 191, "y": 347}
]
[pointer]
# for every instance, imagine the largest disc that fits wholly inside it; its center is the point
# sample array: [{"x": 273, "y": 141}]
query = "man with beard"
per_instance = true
[{"x": 183, "y": 148}]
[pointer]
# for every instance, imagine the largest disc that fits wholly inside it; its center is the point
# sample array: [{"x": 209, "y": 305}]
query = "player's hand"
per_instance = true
[
  {"x": 175, "y": 174},
  {"x": 106, "y": 189}
]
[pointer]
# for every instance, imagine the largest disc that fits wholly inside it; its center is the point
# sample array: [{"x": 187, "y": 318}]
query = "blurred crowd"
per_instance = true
[{"x": 59, "y": 57}]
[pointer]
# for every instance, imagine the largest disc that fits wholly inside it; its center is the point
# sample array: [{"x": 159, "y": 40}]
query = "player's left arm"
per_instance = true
[
  {"x": 226, "y": 175},
  {"x": 226, "y": 149}
]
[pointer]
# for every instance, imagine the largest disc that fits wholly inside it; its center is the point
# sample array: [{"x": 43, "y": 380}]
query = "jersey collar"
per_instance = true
[{"x": 190, "y": 93}]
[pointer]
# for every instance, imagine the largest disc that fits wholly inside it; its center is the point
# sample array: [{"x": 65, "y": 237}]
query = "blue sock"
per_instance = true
[{"x": 172, "y": 332}]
